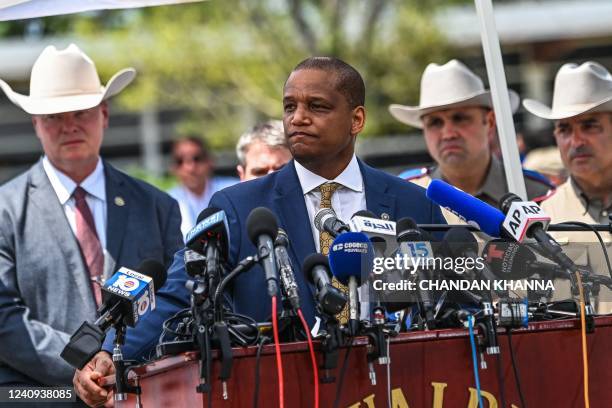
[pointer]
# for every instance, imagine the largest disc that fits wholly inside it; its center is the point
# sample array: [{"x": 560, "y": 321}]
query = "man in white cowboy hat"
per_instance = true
[
  {"x": 455, "y": 113},
  {"x": 69, "y": 221},
  {"x": 582, "y": 114}
]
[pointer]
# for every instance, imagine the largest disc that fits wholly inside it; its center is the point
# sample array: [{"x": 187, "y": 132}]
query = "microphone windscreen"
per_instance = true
[
  {"x": 459, "y": 241},
  {"x": 261, "y": 221},
  {"x": 311, "y": 261},
  {"x": 351, "y": 254},
  {"x": 155, "y": 270},
  {"x": 508, "y": 260},
  {"x": 364, "y": 213},
  {"x": 207, "y": 212},
  {"x": 476, "y": 212}
]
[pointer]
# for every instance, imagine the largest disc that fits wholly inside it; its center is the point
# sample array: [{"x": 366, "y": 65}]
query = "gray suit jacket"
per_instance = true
[{"x": 45, "y": 292}]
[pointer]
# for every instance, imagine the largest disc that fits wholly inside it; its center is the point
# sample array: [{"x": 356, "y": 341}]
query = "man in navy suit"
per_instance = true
[{"x": 324, "y": 111}]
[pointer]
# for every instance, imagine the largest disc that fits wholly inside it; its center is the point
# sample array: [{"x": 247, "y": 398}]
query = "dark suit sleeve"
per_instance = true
[
  {"x": 170, "y": 299},
  {"x": 171, "y": 233},
  {"x": 27, "y": 345}
]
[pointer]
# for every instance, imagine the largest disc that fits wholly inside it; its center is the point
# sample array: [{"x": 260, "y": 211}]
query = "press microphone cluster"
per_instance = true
[{"x": 128, "y": 296}]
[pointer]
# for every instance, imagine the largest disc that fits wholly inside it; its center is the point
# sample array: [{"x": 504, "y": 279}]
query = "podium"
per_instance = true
[{"x": 428, "y": 369}]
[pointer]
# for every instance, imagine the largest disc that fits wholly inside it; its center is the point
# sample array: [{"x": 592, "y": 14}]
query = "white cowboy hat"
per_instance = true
[
  {"x": 66, "y": 81},
  {"x": 447, "y": 86},
  {"x": 578, "y": 89}
]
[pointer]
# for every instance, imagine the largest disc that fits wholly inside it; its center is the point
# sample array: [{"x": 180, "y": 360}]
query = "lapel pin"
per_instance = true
[
  {"x": 119, "y": 201},
  {"x": 384, "y": 216}
]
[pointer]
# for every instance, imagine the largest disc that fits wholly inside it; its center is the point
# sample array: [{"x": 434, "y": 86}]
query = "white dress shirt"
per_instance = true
[
  {"x": 346, "y": 201},
  {"x": 96, "y": 196}
]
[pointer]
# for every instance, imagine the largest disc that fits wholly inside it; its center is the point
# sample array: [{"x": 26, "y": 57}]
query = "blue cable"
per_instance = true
[{"x": 474, "y": 360}]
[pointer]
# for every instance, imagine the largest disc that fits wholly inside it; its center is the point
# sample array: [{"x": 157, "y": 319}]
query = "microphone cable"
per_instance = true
[
  {"x": 585, "y": 360},
  {"x": 262, "y": 341},
  {"x": 474, "y": 358},
  {"x": 517, "y": 378},
  {"x": 388, "y": 372},
  {"x": 279, "y": 361},
  {"x": 343, "y": 372},
  {"x": 313, "y": 358},
  {"x": 603, "y": 246}
]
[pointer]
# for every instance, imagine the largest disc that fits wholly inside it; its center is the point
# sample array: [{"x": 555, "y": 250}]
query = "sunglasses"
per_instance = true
[{"x": 179, "y": 161}]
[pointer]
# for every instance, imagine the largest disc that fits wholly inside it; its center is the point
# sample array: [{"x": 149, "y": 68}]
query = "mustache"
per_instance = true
[
  {"x": 453, "y": 143},
  {"x": 579, "y": 151}
]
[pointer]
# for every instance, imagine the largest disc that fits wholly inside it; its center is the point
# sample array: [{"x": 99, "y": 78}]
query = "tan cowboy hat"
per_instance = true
[
  {"x": 447, "y": 86},
  {"x": 66, "y": 81},
  {"x": 578, "y": 89}
]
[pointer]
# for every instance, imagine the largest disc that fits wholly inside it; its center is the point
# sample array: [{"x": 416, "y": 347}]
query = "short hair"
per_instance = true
[
  {"x": 196, "y": 140},
  {"x": 348, "y": 80},
  {"x": 271, "y": 133}
]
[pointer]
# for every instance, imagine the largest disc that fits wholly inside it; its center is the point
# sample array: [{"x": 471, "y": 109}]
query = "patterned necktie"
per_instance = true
[
  {"x": 325, "y": 241},
  {"x": 89, "y": 242}
]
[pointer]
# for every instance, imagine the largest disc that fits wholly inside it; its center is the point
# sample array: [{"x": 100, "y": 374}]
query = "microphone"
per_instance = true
[
  {"x": 414, "y": 243},
  {"x": 326, "y": 220},
  {"x": 262, "y": 229},
  {"x": 461, "y": 243},
  {"x": 285, "y": 269},
  {"x": 330, "y": 300},
  {"x": 470, "y": 209},
  {"x": 376, "y": 229},
  {"x": 195, "y": 263},
  {"x": 212, "y": 224},
  {"x": 512, "y": 261},
  {"x": 128, "y": 296},
  {"x": 350, "y": 258},
  {"x": 526, "y": 219}
]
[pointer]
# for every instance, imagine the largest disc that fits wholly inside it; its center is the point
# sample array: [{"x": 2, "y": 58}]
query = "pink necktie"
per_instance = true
[{"x": 89, "y": 242}]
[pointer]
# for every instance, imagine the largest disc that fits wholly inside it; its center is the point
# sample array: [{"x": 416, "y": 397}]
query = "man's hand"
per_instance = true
[{"x": 87, "y": 382}]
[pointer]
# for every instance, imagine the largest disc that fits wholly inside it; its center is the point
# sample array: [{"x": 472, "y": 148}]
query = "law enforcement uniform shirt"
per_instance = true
[{"x": 570, "y": 203}]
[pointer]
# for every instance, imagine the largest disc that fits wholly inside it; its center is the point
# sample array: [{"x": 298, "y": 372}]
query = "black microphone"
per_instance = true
[
  {"x": 416, "y": 242},
  {"x": 523, "y": 218},
  {"x": 330, "y": 300},
  {"x": 211, "y": 226},
  {"x": 326, "y": 220},
  {"x": 262, "y": 229},
  {"x": 195, "y": 263},
  {"x": 461, "y": 243},
  {"x": 285, "y": 269},
  {"x": 127, "y": 297}
]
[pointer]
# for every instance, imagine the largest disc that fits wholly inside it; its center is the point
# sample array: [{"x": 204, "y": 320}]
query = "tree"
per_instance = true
[{"x": 224, "y": 62}]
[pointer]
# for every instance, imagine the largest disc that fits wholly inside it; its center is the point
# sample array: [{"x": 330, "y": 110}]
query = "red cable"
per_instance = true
[
  {"x": 279, "y": 361},
  {"x": 315, "y": 370}
]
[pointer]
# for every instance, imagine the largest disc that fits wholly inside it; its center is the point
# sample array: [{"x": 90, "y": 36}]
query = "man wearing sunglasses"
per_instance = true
[{"x": 193, "y": 166}]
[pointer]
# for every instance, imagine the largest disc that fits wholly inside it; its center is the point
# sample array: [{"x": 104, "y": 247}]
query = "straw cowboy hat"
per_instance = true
[
  {"x": 447, "y": 86},
  {"x": 66, "y": 81},
  {"x": 578, "y": 89}
]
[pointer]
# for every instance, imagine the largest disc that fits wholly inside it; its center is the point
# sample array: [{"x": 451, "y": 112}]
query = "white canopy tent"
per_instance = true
[{"x": 23, "y": 9}]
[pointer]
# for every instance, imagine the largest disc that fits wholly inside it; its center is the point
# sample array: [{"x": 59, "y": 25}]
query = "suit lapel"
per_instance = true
[
  {"x": 117, "y": 204},
  {"x": 290, "y": 205},
  {"x": 378, "y": 200},
  {"x": 51, "y": 214}
]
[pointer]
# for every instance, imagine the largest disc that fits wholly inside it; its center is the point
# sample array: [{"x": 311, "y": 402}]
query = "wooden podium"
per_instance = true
[{"x": 428, "y": 369}]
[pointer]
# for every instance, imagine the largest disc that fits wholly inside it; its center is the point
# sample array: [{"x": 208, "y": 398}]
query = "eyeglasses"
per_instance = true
[{"x": 179, "y": 161}]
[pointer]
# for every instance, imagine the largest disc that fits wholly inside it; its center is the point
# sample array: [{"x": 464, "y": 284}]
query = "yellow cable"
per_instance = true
[{"x": 585, "y": 360}]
